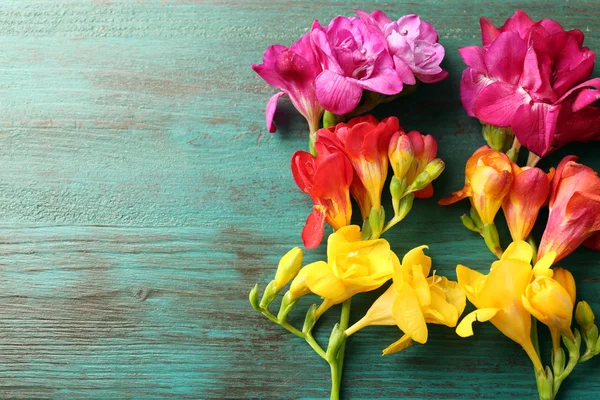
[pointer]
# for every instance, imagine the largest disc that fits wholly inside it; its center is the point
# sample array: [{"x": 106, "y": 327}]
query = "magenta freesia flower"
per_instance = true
[
  {"x": 354, "y": 56},
  {"x": 413, "y": 45},
  {"x": 531, "y": 77},
  {"x": 294, "y": 71}
]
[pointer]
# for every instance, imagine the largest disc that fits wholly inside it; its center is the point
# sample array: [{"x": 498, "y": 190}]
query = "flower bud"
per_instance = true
[
  {"x": 499, "y": 139},
  {"x": 287, "y": 304},
  {"x": 271, "y": 291},
  {"x": 401, "y": 154},
  {"x": 397, "y": 189},
  {"x": 253, "y": 297},
  {"x": 336, "y": 340},
  {"x": 429, "y": 174},
  {"x": 310, "y": 319},
  {"x": 469, "y": 224},
  {"x": 299, "y": 287},
  {"x": 288, "y": 268},
  {"x": 550, "y": 303},
  {"x": 584, "y": 315}
]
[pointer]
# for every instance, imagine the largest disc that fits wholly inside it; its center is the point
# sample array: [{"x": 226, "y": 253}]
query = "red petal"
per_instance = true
[{"x": 312, "y": 233}]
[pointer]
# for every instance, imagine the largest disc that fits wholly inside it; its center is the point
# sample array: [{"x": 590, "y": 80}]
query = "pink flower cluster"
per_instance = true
[
  {"x": 329, "y": 67},
  {"x": 531, "y": 77}
]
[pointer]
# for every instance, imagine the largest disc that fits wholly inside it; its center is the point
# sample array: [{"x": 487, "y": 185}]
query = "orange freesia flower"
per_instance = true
[{"x": 488, "y": 177}]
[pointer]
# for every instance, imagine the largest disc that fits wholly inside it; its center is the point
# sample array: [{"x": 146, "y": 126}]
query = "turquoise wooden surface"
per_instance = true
[{"x": 141, "y": 197}]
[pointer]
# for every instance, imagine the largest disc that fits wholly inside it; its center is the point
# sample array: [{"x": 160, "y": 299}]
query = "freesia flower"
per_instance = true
[
  {"x": 353, "y": 266},
  {"x": 364, "y": 140},
  {"x": 293, "y": 70},
  {"x": 551, "y": 301},
  {"x": 354, "y": 57},
  {"x": 288, "y": 267},
  {"x": 528, "y": 193},
  {"x": 414, "y": 300},
  {"x": 488, "y": 178},
  {"x": 498, "y": 295},
  {"x": 413, "y": 44},
  {"x": 574, "y": 208},
  {"x": 531, "y": 77},
  {"x": 326, "y": 179},
  {"x": 409, "y": 154}
]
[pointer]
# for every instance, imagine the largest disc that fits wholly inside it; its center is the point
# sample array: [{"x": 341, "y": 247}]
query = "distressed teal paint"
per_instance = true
[{"x": 141, "y": 198}]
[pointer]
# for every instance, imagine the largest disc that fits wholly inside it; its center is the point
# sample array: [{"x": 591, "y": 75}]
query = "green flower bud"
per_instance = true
[
  {"x": 376, "y": 221},
  {"x": 404, "y": 206},
  {"x": 287, "y": 304},
  {"x": 492, "y": 239},
  {"x": 270, "y": 293},
  {"x": 397, "y": 189},
  {"x": 469, "y": 224},
  {"x": 476, "y": 218},
  {"x": 584, "y": 316},
  {"x": 310, "y": 319},
  {"x": 336, "y": 340},
  {"x": 499, "y": 139},
  {"x": 431, "y": 172},
  {"x": 254, "y": 298}
]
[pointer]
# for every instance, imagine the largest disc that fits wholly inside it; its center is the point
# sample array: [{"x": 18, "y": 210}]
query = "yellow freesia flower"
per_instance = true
[
  {"x": 498, "y": 295},
  {"x": 353, "y": 266},
  {"x": 413, "y": 300},
  {"x": 551, "y": 301}
]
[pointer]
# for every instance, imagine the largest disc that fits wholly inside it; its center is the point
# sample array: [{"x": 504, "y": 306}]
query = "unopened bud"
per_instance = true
[
  {"x": 336, "y": 340},
  {"x": 271, "y": 291},
  {"x": 401, "y": 154},
  {"x": 310, "y": 319},
  {"x": 288, "y": 268},
  {"x": 499, "y": 139},
  {"x": 492, "y": 239},
  {"x": 405, "y": 206},
  {"x": 476, "y": 218},
  {"x": 254, "y": 298},
  {"x": 397, "y": 189},
  {"x": 287, "y": 304},
  {"x": 469, "y": 224},
  {"x": 376, "y": 221},
  {"x": 584, "y": 316},
  {"x": 558, "y": 361},
  {"x": 429, "y": 174}
]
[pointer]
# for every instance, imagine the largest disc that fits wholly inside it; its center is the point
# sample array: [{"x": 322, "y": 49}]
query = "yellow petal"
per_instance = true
[
  {"x": 404, "y": 342},
  {"x": 408, "y": 315},
  {"x": 380, "y": 313},
  {"x": 440, "y": 311},
  {"x": 542, "y": 267},
  {"x": 519, "y": 250},
  {"x": 323, "y": 282},
  {"x": 469, "y": 280},
  {"x": 398, "y": 271},
  {"x": 465, "y": 328},
  {"x": 421, "y": 286},
  {"x": 505, "y": 284},
  {"x": 416, "y": 256},
  {"x": 453, "y": 293}
]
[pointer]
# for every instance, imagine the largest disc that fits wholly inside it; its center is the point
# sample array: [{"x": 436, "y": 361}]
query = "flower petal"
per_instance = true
[
  {"x": 271, "y": 107},
  {"x": 401, "y": 344},
  {"x": 336, "y": 93},
  {"x": 519, "y": 250},
  {"x": 408, "y": 315},
  {"x": 471, "y": 85},
  {"x": 535, "y": 126},
  {"x": 312, "y": 233},
  {"x": 505, "y": 56},
  {"x": 465, "y": 328},
  {"x": 321, "y": 280},
  {"x": 498, "y": 103},
  {"x": 416, "y": 256},
  {"x": 474, "y": 57},
  {"x": 489, "y": 32}
]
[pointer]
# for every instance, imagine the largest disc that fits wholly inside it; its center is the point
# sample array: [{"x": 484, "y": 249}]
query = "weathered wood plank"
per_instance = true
[{"x": 141, "y": 198}]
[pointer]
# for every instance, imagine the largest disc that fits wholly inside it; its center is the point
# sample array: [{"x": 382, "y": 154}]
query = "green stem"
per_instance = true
[
  {"x": 338, "y": 364},
  {"x": 308, "y": 336}
]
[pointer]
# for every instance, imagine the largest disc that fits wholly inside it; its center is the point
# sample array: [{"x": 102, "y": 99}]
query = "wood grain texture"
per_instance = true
[{"x": 141, "y": 197}]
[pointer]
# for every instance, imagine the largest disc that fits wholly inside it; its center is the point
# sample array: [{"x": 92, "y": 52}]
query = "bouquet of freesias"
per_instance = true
[{"x": 529, "y": 86}]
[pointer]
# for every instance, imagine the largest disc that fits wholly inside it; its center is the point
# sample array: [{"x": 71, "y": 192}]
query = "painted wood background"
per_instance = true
[{"x": 141, "y": 197}]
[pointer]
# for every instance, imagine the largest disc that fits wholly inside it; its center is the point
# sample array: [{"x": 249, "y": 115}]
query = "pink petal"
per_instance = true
[
  {"x": 519, "y": 22},
  {"x": 267, "y": 71},
  {"x": 427, "y": 32},
  {"x": 572, "y": 66},
  {"x": 497, "y": 103},
  {"x": 323, "y": 49},
  {"x": 505, "y": 56},
  {"x": 471, "y": 84},
  {"x": 337, "y": 93},
  {"x": 580, "y": 103},
  {"x": 271, "y": 107},
  {"x": 489, "y": 32},
  {"x": 474, "y": 57},
  {"x": 384, "y": 79},
  {"x": 409, "y": 24},
  {"x": 312, "y": 233},
  {"x": 535, "y": 126},
  {"x": 433, "y": 78},
  {"x": 552, "y": 26},
  {"x": 404, "y": 72}
]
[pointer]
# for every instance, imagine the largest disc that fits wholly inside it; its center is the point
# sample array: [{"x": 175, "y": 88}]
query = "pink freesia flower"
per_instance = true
[
  {"x": 326, "y": 179},
  {"x": 531, "y": 77},
  {"x": 574, "y": 209},
  {"x": 365, "y": 141},
  {"x": 413, "y": 45},
  {"x": 294, "y": 71},
  {"x": 354, "y": 57}
]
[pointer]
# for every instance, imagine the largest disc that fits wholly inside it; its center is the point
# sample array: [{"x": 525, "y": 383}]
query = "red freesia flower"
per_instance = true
[
  {"x": 326, "y": 179},
  {"x": 364, "y": 140},
  {"x": 574, "y": 209},
  {"x": 531, "y": 77}
]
